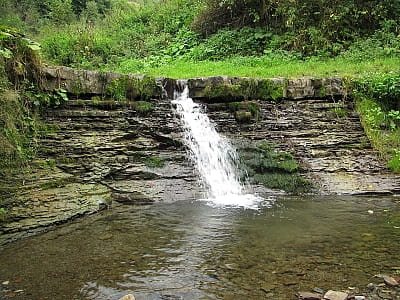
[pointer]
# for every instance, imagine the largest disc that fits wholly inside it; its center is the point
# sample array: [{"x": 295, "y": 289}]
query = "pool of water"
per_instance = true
[{"x": 190, "y": 250}]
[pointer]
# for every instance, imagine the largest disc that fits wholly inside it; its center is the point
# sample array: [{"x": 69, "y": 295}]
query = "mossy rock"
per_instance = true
[
  {"x": 133, "y": 88},
  {"x": 143, "y": 107},
  {"x": 240, "y": 89},
  {"x": 243, "y": 116},
  {"x": 274, "y": 169},
  {"x": 246, "y": 111}
]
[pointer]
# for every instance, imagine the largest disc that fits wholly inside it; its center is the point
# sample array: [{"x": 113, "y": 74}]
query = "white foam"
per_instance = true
[{"x": 213, "y": 156}]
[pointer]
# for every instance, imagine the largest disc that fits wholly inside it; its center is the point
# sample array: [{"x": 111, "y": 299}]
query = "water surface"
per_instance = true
[{"x": 190, "y": 250}]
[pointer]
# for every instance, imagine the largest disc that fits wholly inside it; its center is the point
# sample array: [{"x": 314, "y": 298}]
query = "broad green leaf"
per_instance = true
[
  {"x": 6, "y": 53},
  {"x": 34, "y": 47}
]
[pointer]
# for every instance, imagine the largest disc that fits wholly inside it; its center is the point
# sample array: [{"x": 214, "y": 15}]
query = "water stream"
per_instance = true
[{"x": 212, "y": 154}]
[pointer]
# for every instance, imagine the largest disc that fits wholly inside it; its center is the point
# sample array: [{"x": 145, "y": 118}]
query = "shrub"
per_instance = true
[{"x": 225, "y": 43}]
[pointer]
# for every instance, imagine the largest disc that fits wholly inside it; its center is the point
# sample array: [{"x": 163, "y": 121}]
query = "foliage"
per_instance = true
[
  {"x": 274, "y": 169},
  {"x": 315, "y": 27},
  {"x": 225, "y": 43},
  {"x": 154, "y": 32},
  {"x": 132, "y": 88},
  {"x": 143, "y": 107},
  {"x": 246, "y": 111},
  {"x": 19, "y": 125},
  {"x": 383, "y": 87},
  {"x": 377, "y": 99},
  {"x": 20, "y": 57},
  {"x": 394, "y": 162},
  {"x": 244, "y": 89}
]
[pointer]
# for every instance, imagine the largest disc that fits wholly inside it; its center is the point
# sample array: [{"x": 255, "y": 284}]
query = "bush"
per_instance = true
[
  {"x": 383, "y": 87},
  {"x": 394, "y": 163},
  {"x": 319, "y": 27},
  {"x": 227, "y": 43}
]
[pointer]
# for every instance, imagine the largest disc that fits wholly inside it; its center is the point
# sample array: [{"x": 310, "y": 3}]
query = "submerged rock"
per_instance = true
[
  {"x": 128, "y": 297},
  {"x": 335, "y": 295},
  {"x": 390, "y": 281}
]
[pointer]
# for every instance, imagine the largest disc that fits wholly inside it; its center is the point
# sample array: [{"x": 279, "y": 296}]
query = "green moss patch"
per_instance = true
[
  {"x": 246, "y": 111},
  {"x": 132, "y": 88},
  {"x": 245, "y": 89},
  {"x": 274, "y": 169}
]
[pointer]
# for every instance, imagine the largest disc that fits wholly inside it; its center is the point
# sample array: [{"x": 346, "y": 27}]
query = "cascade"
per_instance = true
[{"x": 215, "y": 159}]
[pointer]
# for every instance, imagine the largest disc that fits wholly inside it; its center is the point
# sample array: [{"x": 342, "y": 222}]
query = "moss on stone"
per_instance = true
[
  {"x": 154, "y": 162},
  {"x": 274, "y": 169},
  {"x": 143, "y": 107},
  {"x": 243, "y": 116},
  {"x": 245, "y": 89},
  {"x": 132, "y": 88},
  {"x": 246, "y": 111},
  {"x": 268, "y": 90},
  {"x": 224, "y": 91}
]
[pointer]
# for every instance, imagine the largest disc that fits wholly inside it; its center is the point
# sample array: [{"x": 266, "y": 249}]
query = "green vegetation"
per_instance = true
[
  {"x": 273, "y": 169},
  {"x": 19, "y": 125},
  {"x": 245, "y": 89},
  {"x": 191, "y": 38},
  {"x": 245, "y": 111},
  {"x": 154, "y": 162},
  {"x": 143, "y": 107},
  {"x": 132, "y": 88},
  {"x": 377, "y": 100}
]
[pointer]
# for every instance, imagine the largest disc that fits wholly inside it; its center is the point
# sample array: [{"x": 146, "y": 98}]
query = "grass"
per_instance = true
[
  {"x": 262, "y": 67},
  {"x": 386, "y": 141}
]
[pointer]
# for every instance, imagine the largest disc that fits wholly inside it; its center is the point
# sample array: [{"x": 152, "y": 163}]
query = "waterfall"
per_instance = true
[{"x": 212, "y": 154}]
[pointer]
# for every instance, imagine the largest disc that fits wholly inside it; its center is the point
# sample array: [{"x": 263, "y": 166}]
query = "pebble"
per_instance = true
[
  {"x": 334, "y": 295},
  {"x": 128, "y": 297},
  {"x": 370, "y": 286},
  {"x": 390, "y": 281},
  {"x": 318, "y": 290}
]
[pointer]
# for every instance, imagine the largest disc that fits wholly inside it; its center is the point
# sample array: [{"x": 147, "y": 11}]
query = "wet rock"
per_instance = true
[
  {"x": 267, "y": 288},
  {"x": 318, "y": 290},
  {"x": 128, "y": 297},
  {"x": 390, "y": 281},
  {"x": 335, "y": 295},
  {"x": 309, "y": 296}
]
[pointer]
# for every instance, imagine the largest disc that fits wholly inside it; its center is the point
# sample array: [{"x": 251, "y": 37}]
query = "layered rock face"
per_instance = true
[{"x": 102, "y": 150}]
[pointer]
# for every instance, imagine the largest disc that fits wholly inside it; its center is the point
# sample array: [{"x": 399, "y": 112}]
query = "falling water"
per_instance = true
[{"x": 212, "y": 154}]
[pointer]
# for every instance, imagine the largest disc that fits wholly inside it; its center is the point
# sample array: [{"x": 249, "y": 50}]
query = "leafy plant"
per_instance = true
[
  {"x": 143, "y": 107},
  {"x": 394, "y": 162},
  {"x": 393, "y": 117}
]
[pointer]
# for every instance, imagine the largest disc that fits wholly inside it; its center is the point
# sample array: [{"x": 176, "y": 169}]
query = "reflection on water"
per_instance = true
[{"x": 189, "y": 250}]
